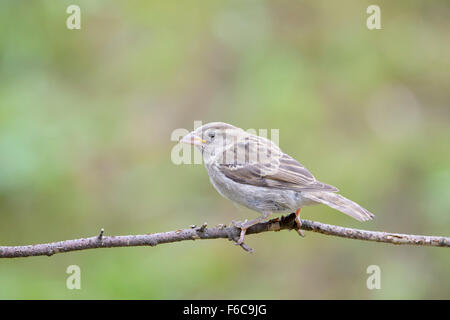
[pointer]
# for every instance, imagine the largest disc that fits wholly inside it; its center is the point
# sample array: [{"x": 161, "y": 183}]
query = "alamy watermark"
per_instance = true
[
  {"x": 74, "y": 280},
  {"x": 374, "y": 280},
  {"x": 74, "y": 20},
  {"x": 234, "y": 148},
  {"x": 374, "y": 20}
]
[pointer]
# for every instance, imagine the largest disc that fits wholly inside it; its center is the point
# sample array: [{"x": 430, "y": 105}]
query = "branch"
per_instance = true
[{"x": 221, "y": 231}]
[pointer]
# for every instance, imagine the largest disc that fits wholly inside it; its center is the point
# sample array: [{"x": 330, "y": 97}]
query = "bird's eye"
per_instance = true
[{"x": 212, "y": 135}]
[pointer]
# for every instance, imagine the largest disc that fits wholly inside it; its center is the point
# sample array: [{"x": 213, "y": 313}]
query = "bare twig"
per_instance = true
[
  {"x": 231, "y": 233},
  {"x": 100, "y": 235}
]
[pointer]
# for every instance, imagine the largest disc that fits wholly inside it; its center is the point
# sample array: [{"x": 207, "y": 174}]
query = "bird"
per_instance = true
[{"x": 254, "y": 172}]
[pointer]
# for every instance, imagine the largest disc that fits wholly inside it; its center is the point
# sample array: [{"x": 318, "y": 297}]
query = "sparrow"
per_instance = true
[{"x": 252, "y": 171}]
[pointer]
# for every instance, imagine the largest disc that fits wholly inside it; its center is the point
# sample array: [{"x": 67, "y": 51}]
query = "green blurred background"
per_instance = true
[{"x": 86, "y": 118}]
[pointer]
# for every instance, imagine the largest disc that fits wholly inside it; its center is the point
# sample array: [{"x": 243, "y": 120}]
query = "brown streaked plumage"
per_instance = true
[{"x": 254, "y": 172}]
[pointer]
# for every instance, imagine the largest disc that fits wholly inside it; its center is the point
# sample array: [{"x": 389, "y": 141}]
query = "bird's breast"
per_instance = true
[{"x": 261, "y": 199}]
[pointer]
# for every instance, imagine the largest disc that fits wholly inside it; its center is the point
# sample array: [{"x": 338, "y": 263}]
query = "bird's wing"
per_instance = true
[{"x": 259, "y": 162}]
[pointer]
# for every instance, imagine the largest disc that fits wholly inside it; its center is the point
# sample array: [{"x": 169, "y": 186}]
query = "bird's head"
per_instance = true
[{"x": 213, "y": 137}]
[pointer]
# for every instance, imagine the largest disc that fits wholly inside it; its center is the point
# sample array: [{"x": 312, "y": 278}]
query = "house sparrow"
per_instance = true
[{"x": 253, "y": 171}]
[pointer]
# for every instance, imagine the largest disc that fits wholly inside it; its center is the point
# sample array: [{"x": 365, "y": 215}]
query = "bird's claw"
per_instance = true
[
  {"x": 241, "y": 236},
  {"x": 239, "y": 224},
  {"x": 240, "y": 242},
  {"x": 299, "y": 225}
]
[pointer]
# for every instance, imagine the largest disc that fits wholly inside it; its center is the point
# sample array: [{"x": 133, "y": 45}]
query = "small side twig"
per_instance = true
[
  {"x": 100, "y": 235},
  {"x": 225, "y": 232},
  {"x": 202, "y": 227}
]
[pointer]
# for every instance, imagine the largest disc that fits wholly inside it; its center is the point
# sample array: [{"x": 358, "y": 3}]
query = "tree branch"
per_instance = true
[{"x": 231, "y": 233}]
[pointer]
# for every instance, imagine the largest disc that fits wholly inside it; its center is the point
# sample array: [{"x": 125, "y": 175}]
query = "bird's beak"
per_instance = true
[{"x": 193, "y": 139}]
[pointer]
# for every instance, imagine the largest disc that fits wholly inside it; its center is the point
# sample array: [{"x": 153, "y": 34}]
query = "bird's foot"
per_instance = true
[
  {"x": 241, "y": 236},
  {"x": 299, "y": 223},
  {"x": 238, "y": 224},
  {"x": 243, "y": 226}
]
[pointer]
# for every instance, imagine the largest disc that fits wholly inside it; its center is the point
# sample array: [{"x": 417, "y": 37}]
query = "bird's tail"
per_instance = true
[{"x": 340, "y": 203}]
